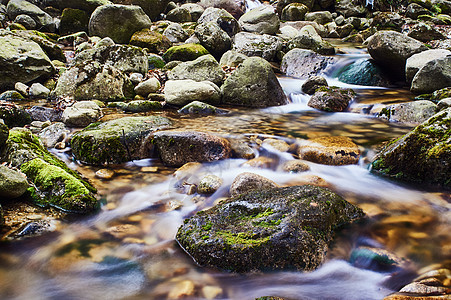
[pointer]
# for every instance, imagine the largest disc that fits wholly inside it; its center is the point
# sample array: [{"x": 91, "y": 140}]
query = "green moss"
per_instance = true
[
  {"x": 242, "y": 238},
  {"x": 185, "y": 52},
  {"x": 207, "y": 226}
]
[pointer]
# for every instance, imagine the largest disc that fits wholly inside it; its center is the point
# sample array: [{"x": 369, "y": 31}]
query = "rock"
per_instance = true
[
  {"x": 387, "y": 21},
  {"x": 425, "y": 33},
  {"x": 116, "y": 141},
  {"x": 427, "y": 145},
  {"x": 175, "y": 33},
  {"x": 194, "y": 9},
  {"x": 4, "y": 133},
  {"x": 53, "y": 134},
  {"x": 118, "y": 22},
  {"x": 320, "y": 17},
  {"x": 391, "y": 49},
  {"x": 213, "y": 38},
  {"x": 288, "y": 32},
  {"x": 295, "y": 166},
  {"x": 105, "y": 42},
  {"x": 419, "y": 60},
  {"x": 138, "y": 106},
  {"x": 276, "y": 144},
  {"x": 151, "y": 85},
  {"x": 12, "y": 183},
  {"x": 86, "y": 5},
  {"x": 204, "y": 68},
  {"x": 105, "y": 174},
  {"x": 73, "y": 20},
  {"x": 378, "y": 260},
  {"x": 37, "y": 90},
  {"x": 284, "y": 3},
  {"x": 308, "y": 38},
  {"x": 261, "y": 20},
  {"x": 250, "y": 44},
  {"x": 94, "y": 81},
  {"x": 26, "y": 21},
  {"x": 364, "y": 72},
  {"x": 410, "y": 112},
  {"x": 330, "y": 150},
  {"x": 81, "y": 114},
  {"x": 21, "y": 7},
  {"x": 21, "y": 88},
  {"x": 441, "y": 94},
  {"x": 223, "y": 18},
  {"x": 44, "y": 114},
  {"x": 434, "y": 75},
  {"x": 444, "y": 103},
  {"x": 152, "y": 8},
  {"x": 13, "y": 115},
  {"x": 53, "y": 51},
  {"x": 53, "y": 183},
  {"x": 253, "y": 84},
  {"x": 246, "y": 182},
  {"x": 185, "y": 52},
  {"x": 444, "y": 5},
  {"x": 279, "y": 228},
  {"x": 209, "y": 184},
  {"x": 344, "y": 31},
  {"x": 232, "y": 58},
  {"x": 152, "y": 40},
  {"x": 21, "y": 60},
  {"x": 415, "y": 10},
  {"x": 197, "y": 107},
  {"x": 182, "y": 92},
  {"x": 11, "y": 96},
  {"x": 261, "y": 162},
  {"x": 303, "y": 63},
  {"x": 294, "y": 12},
  {"x": 122, "y": 57},
  {"x": 179, "y": 15},
  {"x": 155, "y": 61},
  {"x": 331, "y": 99},
  {"x": 179, "y": 147},
  {"x": 313, "y": 83}
]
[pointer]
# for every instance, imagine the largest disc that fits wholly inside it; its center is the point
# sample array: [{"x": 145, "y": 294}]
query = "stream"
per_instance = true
[{"x": 127, "y": 250}]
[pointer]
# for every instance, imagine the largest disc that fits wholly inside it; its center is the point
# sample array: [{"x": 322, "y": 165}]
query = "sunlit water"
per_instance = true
[{"x": 127, "y": 251}]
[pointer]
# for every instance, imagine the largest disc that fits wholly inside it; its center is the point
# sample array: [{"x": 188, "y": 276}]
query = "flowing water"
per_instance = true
[{"x": 127, "y": 250}]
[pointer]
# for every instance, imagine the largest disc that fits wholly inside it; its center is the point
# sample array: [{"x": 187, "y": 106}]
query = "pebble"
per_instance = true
[
  {"x": 182, "y": 289},
  {"x": 209, "y": 184},
  {"x": 105, "y": 174},
  {"x": 123, "y": 230},
  {"x": 260, "y": 162},
  {"x": 279, "y": 145},
  {"x": 211, "y": 292},
  {"x": 149, "y": 169}
]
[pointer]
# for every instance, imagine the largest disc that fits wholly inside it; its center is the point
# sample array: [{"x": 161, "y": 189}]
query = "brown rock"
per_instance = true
[{"x": 333, "y": 150}]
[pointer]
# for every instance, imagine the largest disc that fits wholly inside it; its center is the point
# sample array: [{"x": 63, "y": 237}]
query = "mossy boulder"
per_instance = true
[
  {"x": 308, "y": 38},
  {"x": 73, "y": 20},
  {"x": 13, "y": 115},
  {"x": 152, "y": 8},
  {"x": 201, "y": 108},
  {"x": 428, "y": 146},
  {"x": 152, "y": 40},
  {"x": 331, "y": 99},
  {"x": 272, "y": 229},
  {"x": 54, "y": 184},
  {"x": 138, "y": 106},
  {"x": 11, "y": 95},
  {"x": 116, "y": 141},
  {"x": 4, "y": 133},
  {"x": 42, "y": 19},
  {"x": 53, "y": 51},
  {"x": 184, "y": 52}
]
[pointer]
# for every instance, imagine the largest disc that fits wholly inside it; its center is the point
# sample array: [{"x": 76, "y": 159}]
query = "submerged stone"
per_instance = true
[
  {"x": 278, "y": 228},
  {"x": 423, "y": 155},
  {"x": 330, "y": 150}
]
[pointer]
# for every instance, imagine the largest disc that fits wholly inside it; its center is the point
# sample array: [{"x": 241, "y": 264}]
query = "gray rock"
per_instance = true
[
  {"x": 25, "y": 20},
  {"x": 116, "y": 141},
  {"x": 53, "y": 134},
  {"x": 303, "y": 63},
  {"x": 148, "y": 86},
  {"x": 21, "y": 7},
  {"x": 22, "y": 88},
  {"x": 12, "y": 183},
  {"x": 213, "y": 38},
  {"x": 138, "y": 106},
  {"x": 194, "y": 9},
  {"x": 81, "y": 114},
  {"x": 320, "y": 17},
  {"x": 425, "y": 33},
  {"x": 118, "y": 22},
  {"x": 308, "y": 38},
  {"x": 295, "y": 166},
  {"x": 415, "y": 10},
  {"x": 262, "y": 20},
  {"x": 434, "y": 75},
  {"x": 197, "y": 107},
  {"x": 294, "y": 12},
  {"x": 37, "y": 90},
  {"x": 86, "y": 5},
  {"x": 11, "y": 95},
  {"x": 179, "y": 15},
  {"x": 21, "y": 60},
  {"x": 175, "y": 33},
  {"x": 223, "y": 18},
  {"x": 250, "y": 44},
  {"x": 122, "y": 57},
  {"x": 204, "y": 68},
  {"x": 182, "y": 92},
  {"x": 43, "y": 114},
  {"x": 278, "y": 228},
  {"x": 177, "y": 148},
  {"x": 247, "y": 181},
  {"x": 312, "y": 83},
  {"x": 253, "y": 84},
  {"x": 331, "y": 99},
  {"x": 419, "y": 60},
  {"x": 105, "y": 42},
  {"x": 209, "y": 184},
  {"x": 391, "y": 49},
  {"x": 444, "y": 103},
  {"x": 232, "y": 58},
  {"x": 410, "y": 112}
]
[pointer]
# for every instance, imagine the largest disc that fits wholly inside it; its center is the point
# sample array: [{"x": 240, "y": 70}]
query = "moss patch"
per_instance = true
[{"x": 185, "y": 52}]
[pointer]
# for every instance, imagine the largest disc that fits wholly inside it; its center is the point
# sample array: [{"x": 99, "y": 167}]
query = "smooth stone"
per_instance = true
[
  {"x": 12, "y": 183},
  {"x": 183, "y": 92},
  {"x": 329, "y": 150},
  {"x": 415, "y": 112},
  {"x": 247, "y": 181},
  {"x": 53, "y": 134},
  {"x": 303, "y": 63},
  {"x": 81, "y": 114},
  {"x": 148, "y": 86},
  {"x": 209, "y": 184},
  {"x": 37, "y": 90}
]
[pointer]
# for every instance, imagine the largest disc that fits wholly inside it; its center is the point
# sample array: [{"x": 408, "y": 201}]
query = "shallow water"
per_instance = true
[{"x": 127, "y": 251}]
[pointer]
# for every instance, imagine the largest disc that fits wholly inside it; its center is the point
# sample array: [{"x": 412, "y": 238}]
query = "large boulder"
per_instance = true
[
  {"x": 118, "y": 22},
  {"x": 331, "y": 99},
  {"x": 262, "y": 45},
  {"x": 201, "y": 69},
  {"x": 116, "y": 141},
  {"x": 308, "y": 38},
  {"x": 177, "y": 148},
  {"x": 304, "y": 63},
  {"x": 53, "y": 183},
  {"x": 152, "y": 8},
  {"x": 182, "y": 92},
  {"x": 12, "y": 183},
  {"x": 223, "y": 18},
  {"x": 125, "y": 58},
  {"x": 21, "y": 60},
  {"x": 262, "y": 20},
  {"x": 175, "y": 33},
  {"x": 294, "y": 12},
  {"x": 73, "y": 20},
  {"x": 253, "y": 84},
  {"x": 184, "y": 52},
  {"x": 213, "y": 38},
  {"x": 329, "y": 150},
  {"x": 434, "y": 75},
  {"x": 278, "y": 228},
  {"x": 91, "y": 80},
  {"x": 419, "y": 60},
  {"x": 425, "y": 33},
  {"x": 86, "y": 5},
  {"x": 152, "y": 40},
  {"x": 409, "y": 112},
  {"x": 423, "y": 155},
  {"x": 53, "y": 51},
  {"x": 13, "y": 115},
  {"x": 81, "y": 114},
  {"x": 364, "y": 72},
  {"x": 391, "y": 49},
  {"x": 21, "y": 7}
]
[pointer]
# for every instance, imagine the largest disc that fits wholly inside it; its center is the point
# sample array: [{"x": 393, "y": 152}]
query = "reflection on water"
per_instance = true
[{"x": 128, "y": 249}]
